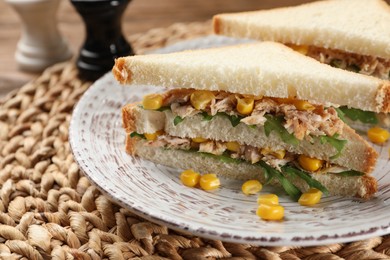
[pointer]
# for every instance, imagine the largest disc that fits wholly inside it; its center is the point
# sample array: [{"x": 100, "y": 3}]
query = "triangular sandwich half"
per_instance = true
[
  {"x": 253, "y": 111},
  {"x": 351, "y": 35}
]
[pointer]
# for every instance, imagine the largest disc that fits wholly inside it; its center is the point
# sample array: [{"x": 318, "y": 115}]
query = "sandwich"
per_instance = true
[
  {"x": 350, "y": 35},
  {"x": 253, "y": 111}
]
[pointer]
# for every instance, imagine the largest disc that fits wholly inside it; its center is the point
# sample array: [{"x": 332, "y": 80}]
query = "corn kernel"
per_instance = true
[
  {"x": 310, "y": 164},
  {"x": 303, "y": 105},
  {"x": 152, "y": 101},
  {"x": 199, "y": 140},
  {"x": 303, "y": 49},
  {"x": 201, "y": 98},
  {"x": 378, "y": 135},
  {"x": 311, "y": 197},
  {"x": 279, "y": 154},
  {"x": 288, "y": 100},
  {"x": 270, "y": 212},
  {"x": 265, "y": 151},
  {"x": 190, "y": 178},
  {"x": 268, "y": 199},
  {"x": 245, "y": 105},
  {"x": 153, "y": 136},
  {"x": 233, "y": 146},
  {"x": 251, "y": 187},
  {"x": 209, "y": 181}
]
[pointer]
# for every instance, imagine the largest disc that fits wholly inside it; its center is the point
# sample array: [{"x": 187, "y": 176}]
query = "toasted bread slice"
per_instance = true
[
  {"x": 360, "y": 27},
  {"x": 261, "y": 69}
]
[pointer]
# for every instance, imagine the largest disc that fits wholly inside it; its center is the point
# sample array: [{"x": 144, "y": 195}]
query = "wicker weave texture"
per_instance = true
[{"x": 49, "y": 210}]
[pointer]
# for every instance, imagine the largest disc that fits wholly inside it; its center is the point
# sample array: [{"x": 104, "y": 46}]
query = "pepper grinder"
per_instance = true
[
  {"x": 41, "y": 44},
  {"x": 104, "y": 40}
]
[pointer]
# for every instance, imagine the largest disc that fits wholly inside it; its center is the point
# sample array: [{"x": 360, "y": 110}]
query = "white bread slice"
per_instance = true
[
  {"x": 357, "y": 154},
  {"x": 266, "y": 68},
  {"x": 360, "y": 27},
  {"x": 356, "y": 186}
]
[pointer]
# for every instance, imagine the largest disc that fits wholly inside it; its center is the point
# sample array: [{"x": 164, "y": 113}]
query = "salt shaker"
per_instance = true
[
  {"x": 104, "y": 40},
  {"x": 41, "y": 44}
]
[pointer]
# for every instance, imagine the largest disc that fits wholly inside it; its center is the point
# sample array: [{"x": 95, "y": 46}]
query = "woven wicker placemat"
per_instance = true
[{"x": 49, "y": 210}]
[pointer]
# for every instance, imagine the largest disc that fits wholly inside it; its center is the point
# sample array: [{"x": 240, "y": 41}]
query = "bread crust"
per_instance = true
[
  {"x": 120, "y": 72},
  {"x": 129, "y": 117},
  {"x": 383, "y": 97}
]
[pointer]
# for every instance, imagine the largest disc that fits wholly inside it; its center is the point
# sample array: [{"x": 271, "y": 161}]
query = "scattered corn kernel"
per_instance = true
[
  {"x": 378, "y": 135},
  {"x": 270, "y": 211},
  {"x": 152, "y": 101},
  {"x": 311, "y": 197},
  {"x": 268, "y": 199},
  {"x": 251, "y": 187},
  {"x": 209, "y": 181},
  {"x": 303, "y": 49},
  {"x": 245, "y": 105},
  {"x": 199, "y": 140},
  {"x": 233, "y": 146},
  {"x": 153, "y": 136},
  {"x": 190, "y": 178},
  {"x": 201, "y": 98},
  {"x": 303, "y": 105},
  {"x": 310, "y": 164}
]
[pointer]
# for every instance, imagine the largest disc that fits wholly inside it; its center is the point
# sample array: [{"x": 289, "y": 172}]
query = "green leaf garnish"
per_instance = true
[
  {"x": 290, "y": 188},
  {"x": 349, "y": 173},
  {"x": 161, "y": 109},
  {"x": 235, "y": 120},
  {"x": 341, "y": 114},
  {"x": 355, "y": 114},
  {"x": 223, "y": 157},
  {"x": 206, "y": 116},
  {"x": 275, "y": 123},
  {"x": 336, "y": 143},
  {"x": 306, "y": 177},
  {"x": 353, "y": 67},
  {"x": 177, "y": 120},
  {"x": 336, "y": 63},
  {"x": 135, "y": 134}
]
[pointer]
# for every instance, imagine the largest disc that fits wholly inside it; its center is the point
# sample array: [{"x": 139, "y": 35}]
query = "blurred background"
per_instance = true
[{"x": 140, "y": 16}]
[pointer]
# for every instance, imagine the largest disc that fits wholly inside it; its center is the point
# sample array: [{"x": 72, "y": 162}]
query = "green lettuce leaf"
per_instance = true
[
  {"x": 355, "y": 114},
  {"x": 161, "y": 109},
  {"x": 223, "y": 157},
  {"x": 135, "y": 134},
  {"x": 177, "y": 120},
  {"x": 341, "y": 114},
  {"x": 306, "y": 177},
  {"x": 349, "y": 173},
  {"x": 336, "y": 143},
  {"x": 206, "y": 116},
  {"x": 275, "y": 123},
  {"x": 288, "y": 187}
]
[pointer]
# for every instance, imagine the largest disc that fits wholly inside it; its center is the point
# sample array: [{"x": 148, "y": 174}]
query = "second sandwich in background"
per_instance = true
[
  {"x": 250, "y": 111},
  {"x": 350, "y": 35}
]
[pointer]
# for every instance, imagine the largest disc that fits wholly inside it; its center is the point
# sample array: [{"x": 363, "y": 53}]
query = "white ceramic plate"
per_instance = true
[{"x": 155, "y": 192}]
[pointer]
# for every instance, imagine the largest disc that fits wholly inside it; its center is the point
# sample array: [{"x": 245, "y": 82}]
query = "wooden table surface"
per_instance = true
[{"x": 140, "y": 16}]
